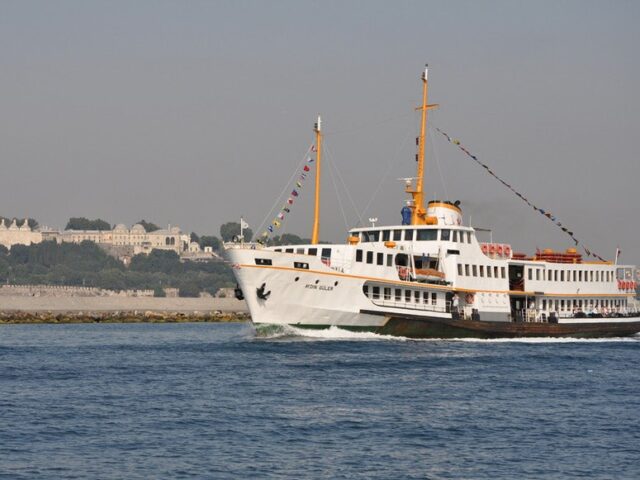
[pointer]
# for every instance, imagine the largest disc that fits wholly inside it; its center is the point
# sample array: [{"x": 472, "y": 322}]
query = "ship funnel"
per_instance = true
[{"x": 447, "y": 213}]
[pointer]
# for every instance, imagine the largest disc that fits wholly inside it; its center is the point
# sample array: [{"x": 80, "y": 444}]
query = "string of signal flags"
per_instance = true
[
  {"x": 548, "y": 215},
  {"x": 293, "y": 196}
]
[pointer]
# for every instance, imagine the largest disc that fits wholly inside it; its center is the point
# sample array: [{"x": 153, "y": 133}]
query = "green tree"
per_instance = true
[
  {"x": 230, "y": 229},
  {"x": 159, "y": 292},
  {"x": 149, "y": 226},
  {"x": 20, "y": 221},
  {"x": 82, "y": 223},
  {"x": 210, "y": 241},
  {"x": 194, "y": 237}
]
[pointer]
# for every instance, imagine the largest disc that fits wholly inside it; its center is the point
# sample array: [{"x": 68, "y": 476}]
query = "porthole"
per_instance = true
[
  {"x": 317, "y": 282},
  {"x": 335, "y": 284},
  {"x": 296, "y": 279}
]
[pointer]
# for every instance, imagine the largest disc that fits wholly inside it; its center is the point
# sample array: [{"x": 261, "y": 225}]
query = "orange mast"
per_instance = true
[
  {"x": 418, "y": 212},
  {"x": 316, "y": 213}
]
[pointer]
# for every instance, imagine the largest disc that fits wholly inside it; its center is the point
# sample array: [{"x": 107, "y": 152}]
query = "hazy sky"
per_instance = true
[{"x": 194, "y": 113}]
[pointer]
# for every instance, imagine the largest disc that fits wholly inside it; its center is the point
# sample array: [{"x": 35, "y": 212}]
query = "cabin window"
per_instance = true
[
  {"x": 466, "y": 269},
  {"x": 358, "y": 255},
  {"x": 398, "y": 294},
  {"x": 502, "y": 272},
  {"x": 313, "y": 251},
  {"x": 387, "y": 293},
  {"x": 389, "y": 260},
  {"x": 459, "y": 269},
  {"x": 591, "y": 276},
  {"x": 407, "y": 295},
  {"x": 468, "y": 237},
  {"x": 416, "y": 296},
  {"x": 263, "y": 261},
  {"x": 376, "y": 293},
  {"x": 495, "y": 272},
  {"x": 482, "y": 270},
  {"x": 386, "y": 235},
  {"x": 425, "y": 297},
  {"x": 304, "y": 266},
  {"x": 380, "y": 258},
  {"x": 445, "y": 235},
  {"x": 575, "y": 275},
  {"x": 537, "y": 274},
  {"x": 408, "y": 235},
  {"x": 365, "y": 289},
  {"x": 580, "y": 275},
  {"x": 434, "y": 298},
  {"x": 475, "y": 270},
  {"x": 373, "y": 236},
  {"x": 427, "y": 235},
  {"x": 397, "y": 235},
  {"x": 530, "y": 273},
  {"x": 489, "y": 271},
  {"x": 555, "y": 275},
  {"x": 369, "y": 257},
  {"x": 289, "y": 250},
  {"x": 278, "y": 250}
]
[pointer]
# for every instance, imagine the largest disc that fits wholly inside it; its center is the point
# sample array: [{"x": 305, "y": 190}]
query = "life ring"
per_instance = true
[
  {"x": 507, "y": 251},
  {"x": 468, "y": 298},
  {"x": 492, "y": 249},
  {"x": 484, "y": 248},
  {"x": 620, "y": 285},
  {"x": 500, "y": 250}
]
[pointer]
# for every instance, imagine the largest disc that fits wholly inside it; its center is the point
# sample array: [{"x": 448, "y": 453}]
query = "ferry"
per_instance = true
[{"x": 431, "y": 277}]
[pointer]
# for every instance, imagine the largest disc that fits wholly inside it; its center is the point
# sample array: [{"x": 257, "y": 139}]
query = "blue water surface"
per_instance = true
[{"x": 175, "y": 401}]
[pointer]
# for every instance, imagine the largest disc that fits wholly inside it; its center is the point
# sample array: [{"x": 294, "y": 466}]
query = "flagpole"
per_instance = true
[
  {"x": 241, "y": 230},
  {"x": 316, "y": 214}
]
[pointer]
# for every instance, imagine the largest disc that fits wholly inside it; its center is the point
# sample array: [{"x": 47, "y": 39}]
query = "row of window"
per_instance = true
[
  {"x": 488, "y": 271},
  {"x": 325, "y": 252},
  {"x": 570, "y": 275},
  {"x": 571, "y": 305},
  {"x": 420, "y": 235},
  {"x": 399, "y": 295},
  {"x": 379, "y": 257}
]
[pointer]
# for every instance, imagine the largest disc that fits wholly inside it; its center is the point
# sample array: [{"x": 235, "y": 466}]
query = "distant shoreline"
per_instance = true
[
  {"x": 93, "y": 309},
  {"x": 32, "y": 318}
]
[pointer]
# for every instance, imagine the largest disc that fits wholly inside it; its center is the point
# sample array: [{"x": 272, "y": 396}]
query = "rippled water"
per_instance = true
[{"x": 217, "y": 401}]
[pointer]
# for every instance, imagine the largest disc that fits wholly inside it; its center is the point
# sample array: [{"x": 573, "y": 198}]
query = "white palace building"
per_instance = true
[{"x": 137, "y": 238}]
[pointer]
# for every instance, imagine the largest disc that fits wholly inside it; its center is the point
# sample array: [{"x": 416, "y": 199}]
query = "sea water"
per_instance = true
[{"x": 178, "y": 401}]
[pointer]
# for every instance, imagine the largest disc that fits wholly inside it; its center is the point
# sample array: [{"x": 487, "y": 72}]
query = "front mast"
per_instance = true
[
  {"x": 316, "y": 213},
  {"x": 418, "y": 212}
]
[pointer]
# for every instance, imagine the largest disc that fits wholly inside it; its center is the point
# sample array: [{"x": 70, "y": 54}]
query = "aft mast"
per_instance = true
[
  {"x": 418, "y": 212},
  {"x": 316, "y": 212}
]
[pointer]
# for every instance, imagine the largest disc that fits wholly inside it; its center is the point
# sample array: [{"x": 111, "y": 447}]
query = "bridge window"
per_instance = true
[
  {"x": 386, "y": 235},
  {"x": 387, "y": 293},
  {"x": 373, "y": 236},
  {"x": 313, "y": 251},
  {"x": 427, "y": 235},
  {"x": 369, "y": 257},
  {"x": 408, "y": 235},
  {"x": 380, "y": 258},
  {"x": 398, "y": 294},
  {"x": 397, "y": 235},
  {"x": 459, "y": 269},
  {"x": 358, "y": 255},
  {"x": 445, "y": 235},
  {"x": 389, "y": 260}
]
